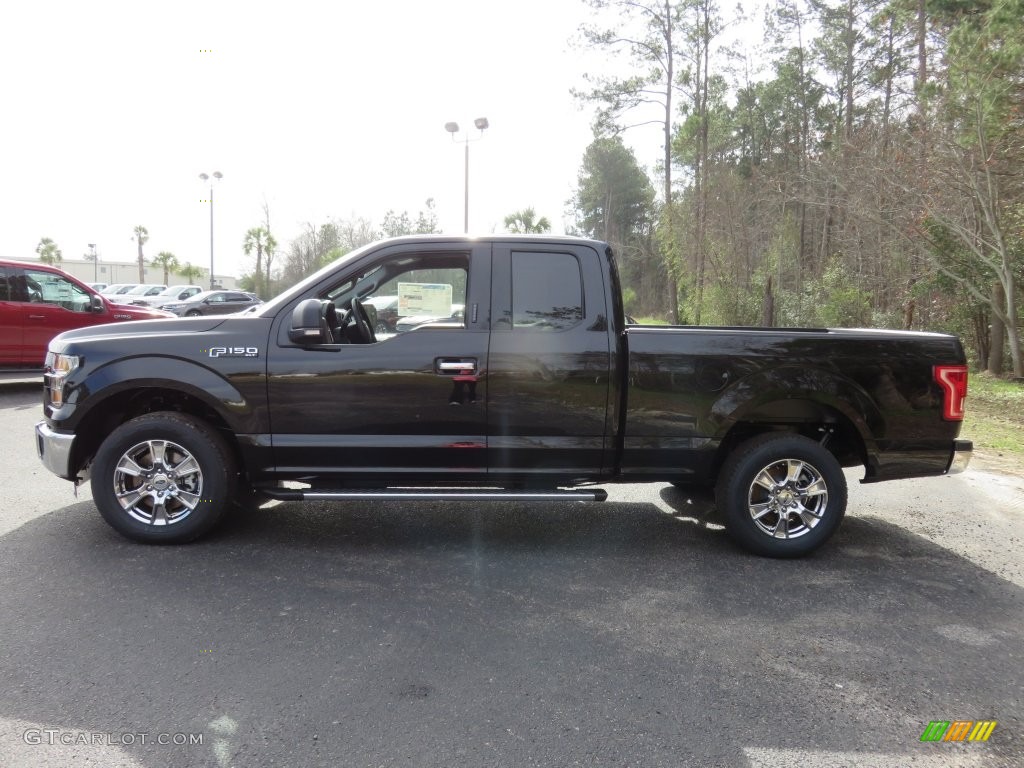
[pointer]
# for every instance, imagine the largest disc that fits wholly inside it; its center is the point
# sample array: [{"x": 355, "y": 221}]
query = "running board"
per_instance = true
[{"x": 420, "y": 494}]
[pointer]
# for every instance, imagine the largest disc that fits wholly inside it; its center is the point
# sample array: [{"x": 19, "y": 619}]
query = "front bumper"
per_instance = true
[
  {"x": 54, "y": 449},
  {"x": 962, "y": 452}
]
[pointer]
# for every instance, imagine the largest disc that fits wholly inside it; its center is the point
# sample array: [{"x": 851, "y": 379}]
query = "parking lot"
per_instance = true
[{"x": 628, "y": 633}]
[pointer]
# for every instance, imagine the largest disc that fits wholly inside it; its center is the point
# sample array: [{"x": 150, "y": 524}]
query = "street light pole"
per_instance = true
[
  {"x": 95, "y": 263},
  {"x": 481, "y": 124},
  {"x": 217, "y": 176},
  {"x": 465, "y": 186}
]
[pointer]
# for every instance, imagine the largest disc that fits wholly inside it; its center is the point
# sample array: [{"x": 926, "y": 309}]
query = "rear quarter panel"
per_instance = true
[{"x": 688, "y": 387}]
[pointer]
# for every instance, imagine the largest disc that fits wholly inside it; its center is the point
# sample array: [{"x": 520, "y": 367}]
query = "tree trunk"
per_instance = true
[
  {"x": 908, "y": 314},
  {"x": 768, "y": 305},
  {"x": 979, "y": 319},
  {"x": 850, "y": 45},
  {"x": 270, "y": 251},
  {"x": 997, "y": 334},
  {"x": 257, "y": 278},
  {"x": 1012, "y": 332},
  {"x": 671, "y": 260}
]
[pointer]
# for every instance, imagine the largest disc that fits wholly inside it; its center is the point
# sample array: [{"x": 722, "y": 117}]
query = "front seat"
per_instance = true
[{"x": 328, "y": 323}]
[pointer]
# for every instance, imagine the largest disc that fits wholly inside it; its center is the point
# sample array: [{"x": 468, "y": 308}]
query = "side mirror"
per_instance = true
[
  {"x": 305, "y": 323},
  {"x": 96, "y": 303}
]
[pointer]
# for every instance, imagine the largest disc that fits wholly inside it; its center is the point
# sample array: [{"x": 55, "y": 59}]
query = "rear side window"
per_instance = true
[
  {"x": 547, "y": 291},
  {"x": 5, "y": 284}
]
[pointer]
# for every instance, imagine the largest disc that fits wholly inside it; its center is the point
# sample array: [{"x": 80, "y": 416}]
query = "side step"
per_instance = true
[{"x": 424, "y": 494}]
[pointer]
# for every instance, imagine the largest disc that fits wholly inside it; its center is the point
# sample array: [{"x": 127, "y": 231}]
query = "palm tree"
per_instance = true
[
  {"x": 168, "y": 261},
  {"x": 48, "y": 252},
  {"x": 141, "y": 237},
  {"x": 262, "y": 241},
  {"x": 190, "y": 273},
  {"x": 522, "y": 222}
]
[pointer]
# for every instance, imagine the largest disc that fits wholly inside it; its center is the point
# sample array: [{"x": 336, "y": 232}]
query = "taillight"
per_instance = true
[{"x": 953, "y": 380}]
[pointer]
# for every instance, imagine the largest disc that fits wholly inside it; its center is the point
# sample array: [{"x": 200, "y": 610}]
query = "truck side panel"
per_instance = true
[{"x": 690, "y": 387}]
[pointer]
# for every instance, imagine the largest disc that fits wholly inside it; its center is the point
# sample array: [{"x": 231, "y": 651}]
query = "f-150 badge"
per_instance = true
[{"x": 234, "y": 352}]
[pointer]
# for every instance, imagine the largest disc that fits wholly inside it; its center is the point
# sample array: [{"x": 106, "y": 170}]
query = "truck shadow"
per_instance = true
[
  {"x": 565, "y": 526},
  {"x": 541, "y": 634}
]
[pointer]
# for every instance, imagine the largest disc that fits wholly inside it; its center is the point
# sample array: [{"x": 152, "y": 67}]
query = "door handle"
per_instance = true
[{"x": 455, "y": 367}]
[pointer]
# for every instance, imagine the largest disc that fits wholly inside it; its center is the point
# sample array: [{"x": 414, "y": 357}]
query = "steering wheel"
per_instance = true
[{"x": 362, "y": 322}]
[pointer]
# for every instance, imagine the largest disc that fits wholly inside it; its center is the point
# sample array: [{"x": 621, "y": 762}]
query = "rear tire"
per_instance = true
[
  {"x": 163, "y": 478},
  {"x": 781, "y": 495}
]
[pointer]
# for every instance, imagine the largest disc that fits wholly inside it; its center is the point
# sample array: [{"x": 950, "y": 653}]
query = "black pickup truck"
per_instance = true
[{"x": 505, "y": 370}]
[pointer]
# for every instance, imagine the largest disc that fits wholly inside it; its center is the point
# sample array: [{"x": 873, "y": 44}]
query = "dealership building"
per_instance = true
[{"x": 110, "y": 272}]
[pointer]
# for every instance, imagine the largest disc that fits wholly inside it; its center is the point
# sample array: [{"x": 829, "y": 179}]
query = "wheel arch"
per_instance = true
[
  {"x": 823, "y": 406},
  {"x": 120, "y": 392}
]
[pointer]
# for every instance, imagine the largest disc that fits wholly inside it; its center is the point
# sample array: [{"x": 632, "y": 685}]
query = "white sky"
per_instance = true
[
  {"x": 109, "y": 111},
  {"x": 326, "y": 109}
]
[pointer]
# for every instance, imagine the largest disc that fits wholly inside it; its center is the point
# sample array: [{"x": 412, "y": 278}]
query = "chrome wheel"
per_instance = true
[
  {"x": 158, "y": 482},
  {"x": 787, "y": 498}
]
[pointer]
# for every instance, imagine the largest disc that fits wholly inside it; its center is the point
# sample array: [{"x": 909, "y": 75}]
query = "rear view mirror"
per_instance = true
[
  {"x": 96, "y": 303},
  {"x": 305, "y": 325}
]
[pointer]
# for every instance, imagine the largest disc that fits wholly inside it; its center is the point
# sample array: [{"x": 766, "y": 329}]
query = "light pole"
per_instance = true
[
  {"x": 453, "y": 128},
  {"x": 217, "y": 176},
  {"x": 95, "y": 263}
]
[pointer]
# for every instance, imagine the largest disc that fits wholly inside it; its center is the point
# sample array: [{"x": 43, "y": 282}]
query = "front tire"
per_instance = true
[
  {"x": 782, "y": 495},
  {"x": 163, "y": 478}
]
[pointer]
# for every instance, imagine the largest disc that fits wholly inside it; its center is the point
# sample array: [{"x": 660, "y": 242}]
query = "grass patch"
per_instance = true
[{"x": 995, "y": 415}]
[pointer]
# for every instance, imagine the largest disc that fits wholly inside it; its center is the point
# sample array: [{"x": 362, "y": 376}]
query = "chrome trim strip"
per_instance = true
[{"x": 594, "y": 494}]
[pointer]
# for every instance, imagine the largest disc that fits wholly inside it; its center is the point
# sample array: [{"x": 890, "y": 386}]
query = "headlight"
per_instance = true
[{"x": 58, "y": 368}]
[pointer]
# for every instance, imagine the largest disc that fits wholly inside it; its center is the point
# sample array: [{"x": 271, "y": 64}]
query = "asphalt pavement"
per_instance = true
[{"x": 628, "y": 633}]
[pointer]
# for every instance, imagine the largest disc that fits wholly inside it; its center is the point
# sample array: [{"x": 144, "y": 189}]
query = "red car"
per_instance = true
[{"x": 38, "y": 301}]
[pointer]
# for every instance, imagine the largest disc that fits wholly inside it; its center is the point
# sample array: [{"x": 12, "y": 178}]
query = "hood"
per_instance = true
[
  {"x": 168, "y": 325},
  {"x": 134, "y": 312}
]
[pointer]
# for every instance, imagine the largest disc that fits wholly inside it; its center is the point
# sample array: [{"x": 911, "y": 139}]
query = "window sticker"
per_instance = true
[{"x": 424, "y": 299}]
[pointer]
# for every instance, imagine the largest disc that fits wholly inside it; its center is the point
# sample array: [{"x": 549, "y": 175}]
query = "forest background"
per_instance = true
[{"x": 864, "y": 169}]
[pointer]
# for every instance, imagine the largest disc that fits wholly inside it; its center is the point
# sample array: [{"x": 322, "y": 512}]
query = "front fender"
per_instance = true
[{"x": 129, "y": 375}]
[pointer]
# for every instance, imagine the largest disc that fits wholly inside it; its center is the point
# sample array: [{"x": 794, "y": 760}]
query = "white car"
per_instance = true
[
  {"x": 168, "y": 295},
  {"x": 129, "y": 297},
  {"x": 116, "y": 289}
]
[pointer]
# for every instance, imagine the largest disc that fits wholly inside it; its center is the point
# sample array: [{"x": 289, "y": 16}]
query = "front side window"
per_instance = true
[
  {"x": 409, "y": 292},
  {"x": 547, "y": 291},
  {"x": 48, "y": 288}
]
